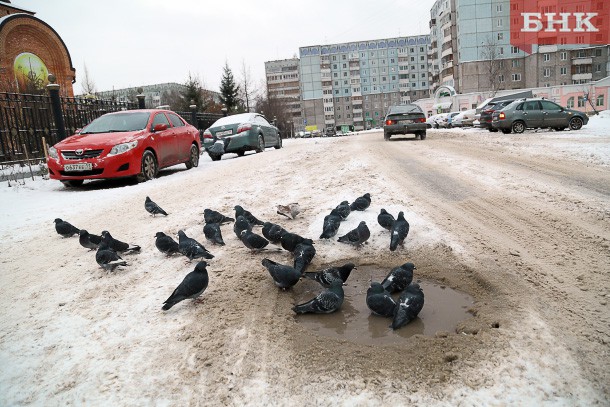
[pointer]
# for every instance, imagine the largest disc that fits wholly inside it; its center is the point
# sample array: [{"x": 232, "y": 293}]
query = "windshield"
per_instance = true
[
  {"x": 405, "y": 109},
  {"x": 118, "y": 122},
  {"x": 235, "y": 119}
]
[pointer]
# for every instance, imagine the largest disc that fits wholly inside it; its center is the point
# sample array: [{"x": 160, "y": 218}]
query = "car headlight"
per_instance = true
[
  {"x": 53, "y": 153},
  {"x": 123, "y": 147}
]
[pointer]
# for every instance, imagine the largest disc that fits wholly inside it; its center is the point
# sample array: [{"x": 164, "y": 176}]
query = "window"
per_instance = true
[
  {"x": 563, "y": 56},
  {"x": 499, "y": 22},
  {"x": 516, "y": 77},
  {"x": 599, "y": 101},
  {"x": 500, "y": 35},
  {"x": 160, "y": 119},
  {"x": 499, "y": 8},
  {"x": 501, "y": 78},
  {"x": 516, "y": 63},
  {"x": 598, "y": 68},
  {"x": 546, "y": 105},
  {"x": 546, "y": 72},
  {"x": 546, "y": 57},
  {"x": 533, "y": 105},
  {"x": 563, "y": 70},
  {"x": 514, "y": 50},
  {"x": 598, "y": 52},
  {"x": 581, "y": 101}
]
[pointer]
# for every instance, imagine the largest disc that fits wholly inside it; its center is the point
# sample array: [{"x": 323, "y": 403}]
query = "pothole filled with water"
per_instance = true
[{"x": 443, "y": 309}]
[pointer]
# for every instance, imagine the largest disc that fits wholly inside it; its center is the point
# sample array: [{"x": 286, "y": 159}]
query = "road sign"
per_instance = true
[{"x": 304, "y": 121}]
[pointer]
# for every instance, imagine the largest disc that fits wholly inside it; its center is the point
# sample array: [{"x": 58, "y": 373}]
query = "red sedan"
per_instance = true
[{"x": 125, "y": 144}]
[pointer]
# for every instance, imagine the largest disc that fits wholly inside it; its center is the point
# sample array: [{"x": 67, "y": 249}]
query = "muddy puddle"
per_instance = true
[{"x": 443, "y": 309}]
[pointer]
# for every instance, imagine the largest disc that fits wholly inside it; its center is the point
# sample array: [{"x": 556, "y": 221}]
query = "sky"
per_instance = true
[{"x": 130, "y": 43}]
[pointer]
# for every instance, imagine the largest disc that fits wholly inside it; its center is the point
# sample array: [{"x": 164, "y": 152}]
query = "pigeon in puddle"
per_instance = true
[
  {"x": 166, "y": 244},
  {"x": 399, "y": 278},
  {"x": 192, "y": 248},
  {"x": 290, "y": 211},
  {"x": 380, "y": 301},
  {"x": 326, "y": 302},
  {"x": 385, "y": 219},
  {"x": 361, "y": 203},
  {"x": 192, "y": 286},
  {"x": 212, "y": 216},
  {"x": 356, "y": 236},
  {"x": 253, "y": 241},
  {"x": 331, "y": 274},
  {"x": 117, "y": 245},
  {"x": 409, "y": 305},
  {"x": 212, "y": 232},
  {"x": 239, "y": 211},
  {"x": 107, "y": 258},
  {"x": 399, "y": 231},
  {"x": 153, "y": 208},
  {"x": 89, "y": 241},
  {"x": 65, "y": 228},
  {"x": 283, "y": 276}
]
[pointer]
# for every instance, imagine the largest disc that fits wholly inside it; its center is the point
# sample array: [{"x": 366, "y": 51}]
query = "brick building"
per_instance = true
[{"x": 30, "y": 49}]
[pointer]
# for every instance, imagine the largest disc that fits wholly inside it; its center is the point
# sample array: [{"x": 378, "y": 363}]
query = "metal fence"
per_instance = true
[{"x": 204, "y": 120}]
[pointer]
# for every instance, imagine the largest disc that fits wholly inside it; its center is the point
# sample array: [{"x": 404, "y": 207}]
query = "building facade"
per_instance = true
[{"x": 283, "y": 84}]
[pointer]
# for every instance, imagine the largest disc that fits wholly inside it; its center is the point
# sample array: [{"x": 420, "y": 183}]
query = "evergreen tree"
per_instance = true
[
  {"x": 193, "y": 92},
  {"x": 229, "y": 90}
]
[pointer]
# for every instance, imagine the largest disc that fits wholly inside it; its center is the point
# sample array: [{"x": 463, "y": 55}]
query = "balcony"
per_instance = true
[
  {"x": 329, "y": 121},
  {"x": 447, "y": 52},
  {"x": 582, "y": 61},
  {"x": 543, "y": 49},
  {"x": 581, "y": 76},
  {"x": 356, "y": 111}
]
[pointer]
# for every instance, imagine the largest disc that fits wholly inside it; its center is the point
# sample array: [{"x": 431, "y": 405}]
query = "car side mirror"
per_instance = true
[
  {"x": 160, "y": 127},
  {"x": 78, "y": 131}
]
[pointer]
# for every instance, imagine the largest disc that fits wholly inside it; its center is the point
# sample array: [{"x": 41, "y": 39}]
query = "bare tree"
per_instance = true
[
  {"x": 247, "y": 86},
  {"x": 492, "y": 66},
  {"x": 87, "y": 84}
]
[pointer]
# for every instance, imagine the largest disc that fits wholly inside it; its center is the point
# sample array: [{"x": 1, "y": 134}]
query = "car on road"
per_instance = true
[
  {"x": 133, "y": 143},
  {"x": 464, "y": 119},
  {"x": 330, "y": 132},
  {"x": 488, "y": 110},
  {"x": 240, "y": 133},
  {"x": 449, "y": 119},
  {"x": 537, "y": 113},
  {"x": 405, "y": 119}
]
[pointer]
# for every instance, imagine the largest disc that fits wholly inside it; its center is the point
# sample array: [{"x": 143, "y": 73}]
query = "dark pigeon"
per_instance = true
[
  {"x": 356, "y": 236},
  {"x": 361, "y": 203},
  {"x": 65, "y": 229},
  {"x": 399, "y": 278},
  {"x": 89, "y": 241},
  {"x": 239, "y": 211},
  {"x": 409, "y": 305},
  {"x": 240, "y": 225},
  {"x": 331, "y": 274},
  {"x": 273, "y": 232},
  {"x": 166, "y": 244},
  {"x": 107, "y": 258},
  {"x": 324, "y": 303},
  {"x": 399, "y": 231},
  {"x": 253, "y": 241},
  {"x": 212, "y": 232},
  {"x": 117, "y": 245},
  {"x": 192, "y": 248},
  {"x": 283, "y": 276},
  {"x": 385, "y": 219},
  {"x": 380, "y": 301},
  {"x": 303, "y": 255},
  {"x": 343, "y": 210},
  {"x": 193, "y": 285},
  {"x": 290, "y": 241},
  {"x": 153, "y": 208},
  {"x": 211, "y": 216},
  {"x": 331, "y": 226}
]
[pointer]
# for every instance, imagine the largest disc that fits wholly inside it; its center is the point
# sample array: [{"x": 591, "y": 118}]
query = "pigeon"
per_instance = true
[
  {"x": 117, "y": 245},
  {"x": 107, "y": 258},
  {"x": 283, "y": 276},
  {"x": 166, "y": 244},
  {"x": 290, "y": 241},
  {"x": 303, "y": 255},
  {"x": 356, "y": 236},
  {"x": 380, "y": 301},
  {"x": 385, "y": 219},
  {"x": 65, "y": 229},
  {"x": 240, "y": 225},
  {"x": 290, "y": 211},
  {"x": 331, "y": 226},
  {"x": 273, "y": 232},
  {"x": 153, "y": 208},
  {"x": 331, "y": 274},
  {"x": 253, "y": 241},
  {"x": 409, "y": 304},
  {"x": 361, "y": 203},
  {"x": 193, "y": 285},
  {"x": 399, "y": 278},
  {"x": 89, "y": 241},
  {"x": 192, "y": 248},
  {"x": 399, "y": 231},
  {"x": 324, "y": 303},
  {"x": 213, "y": 234},
  {"x": 211, "y": 216},
  {"x": 239, "y": 211},
  {"x": 343, "y": 210}
]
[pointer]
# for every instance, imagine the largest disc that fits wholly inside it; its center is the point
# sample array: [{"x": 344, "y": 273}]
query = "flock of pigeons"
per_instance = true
[{"x": 379, "y": 296}]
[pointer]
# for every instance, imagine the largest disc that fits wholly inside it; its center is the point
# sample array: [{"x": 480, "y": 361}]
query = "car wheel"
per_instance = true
[
  {"x": 386, "y": 137},
  {"x": 215, "y": 157},
  {"x": 240, "y": 153},
  {"x": 149, "y": 167},
  {"x": 261, "y": 144},
  {"x": 73, "y": 184},
  {"x": 194, "y": 158},
  {"x": 422, "y": 135},
  {"x": 560, "y": 128},
  {"x": 506, "y": 131},
  {"x": 492, "y": 130},
  {"x": 279, "y": 142},
  {"x": 518, "y": 127},
  {"x": 575, "y": 123}
]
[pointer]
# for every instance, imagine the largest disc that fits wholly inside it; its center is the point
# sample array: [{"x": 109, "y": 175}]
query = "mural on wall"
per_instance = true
[{"x": 31, "y": 73}]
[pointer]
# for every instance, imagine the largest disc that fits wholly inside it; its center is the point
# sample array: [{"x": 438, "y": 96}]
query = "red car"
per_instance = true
[{"x": 133, "y": 143}]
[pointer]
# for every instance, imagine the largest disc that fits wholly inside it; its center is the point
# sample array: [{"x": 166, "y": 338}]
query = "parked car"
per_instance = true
[
  {"x": 240, "y": 133},
  {"x": 316, "y": 133},
  {"x": 307, "y": 134},
  {"x": 405, "y": 119},
  {"x": 330, "y": 132},
  {"x": 537, "y": 113},
  {"x": 134, "y": 143},
  {"x": 450, "y": 116},
  {"x": 463, "y": 119},
  {"x": 488, "y": 110},
  {"x": 441, "y": 120},
  {"x": 431, "y": 121}
]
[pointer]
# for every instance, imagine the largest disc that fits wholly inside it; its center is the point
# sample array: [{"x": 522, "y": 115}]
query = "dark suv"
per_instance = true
[
  {"x": 488, "y": 111},
  {"x": 330, "y": 132},
  {"x": 405, "y": 119},
  {"x": 537, "y": 113}
]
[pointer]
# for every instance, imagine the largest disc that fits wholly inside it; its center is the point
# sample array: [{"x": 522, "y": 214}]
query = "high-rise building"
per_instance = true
[{"x": 283, "y": 84}]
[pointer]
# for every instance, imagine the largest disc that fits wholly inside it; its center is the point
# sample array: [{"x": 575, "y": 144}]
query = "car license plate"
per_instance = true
[
  {"x": 224, "y": 133},
  {"x": 78, "y": 167},
  {"x": 409, "y": 121}
]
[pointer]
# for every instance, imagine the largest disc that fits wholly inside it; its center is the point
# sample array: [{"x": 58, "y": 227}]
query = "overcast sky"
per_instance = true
[{"x": 143, "y": 42}]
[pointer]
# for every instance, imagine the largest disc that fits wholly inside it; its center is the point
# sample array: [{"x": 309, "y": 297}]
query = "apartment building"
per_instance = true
[{"x": 283, "y": 84}]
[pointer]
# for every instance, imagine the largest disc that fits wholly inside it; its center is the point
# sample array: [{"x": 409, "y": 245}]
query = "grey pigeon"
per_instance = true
[
  {"x": 89, "y": 241},
  {"x": 65, "y": 228},
  {"x": 117, "y": 245},
  {"x": 192, "y": 286},
  {"x": 290, "y": 241},
  {"x": 361, "y": 203},
  {"x": 303, "y": 255},
  {"x": 399, "y": 278},
  {"x": 409, "y": 305},
  {"x": 192, "y": 248},
  {"x": 212, "y": 232},
  {"x": 330, "y": 226},
  {"x": 324, "y": 303},
  {"x": 290, "y": 211},
  {"x": 253, "y": 241},
  {"x": 107, "y": 258},
  {"x": 343, "y": 210},
  {"x": 273, "y": 232},
  {"x": 385, "y": 219},
  {"x": 380, "y": 301},
  {"x": 331, "y": 274},
  {"x": 212, "y": 216},
  {"x": 239, "y": 211},
  {"x": 356, "y": 236},
  {"x": 399, "y": 231},
  {"x": 283, "y": 276},
  {"x": 166, "y": 244},
  {"x": 240, "y": 225},
  {"x": 153, "y": 208}
]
